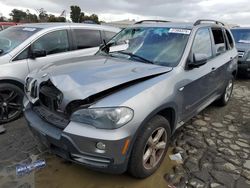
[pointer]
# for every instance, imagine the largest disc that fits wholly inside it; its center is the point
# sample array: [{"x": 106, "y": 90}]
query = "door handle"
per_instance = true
[
  {"x": 181, "y": 89},
  {"x": 213, "y": 69}
]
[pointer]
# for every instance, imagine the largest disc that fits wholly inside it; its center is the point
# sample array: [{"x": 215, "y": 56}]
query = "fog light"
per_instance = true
[{"x": 100, "y": 146}]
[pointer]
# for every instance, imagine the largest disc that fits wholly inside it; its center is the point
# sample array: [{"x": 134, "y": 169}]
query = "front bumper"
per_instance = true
[
  {"x": 244, "y": 68},
  {"x": 80, "y": 148}
]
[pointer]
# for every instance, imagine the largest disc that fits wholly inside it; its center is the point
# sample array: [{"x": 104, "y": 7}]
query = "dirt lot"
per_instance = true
[{"x": 215, "y": 147}]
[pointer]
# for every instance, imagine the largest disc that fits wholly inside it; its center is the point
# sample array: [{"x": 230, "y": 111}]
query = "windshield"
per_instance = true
[
  {"x": 12, "y": 37},
  {"x": 157, "y": 45},
  {"x": 241, "y": 35}
]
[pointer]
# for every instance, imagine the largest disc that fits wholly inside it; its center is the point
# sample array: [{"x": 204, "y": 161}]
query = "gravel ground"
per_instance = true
[
  {"x": 17, "y": 146},
  {"x": 215, "y": 147}
]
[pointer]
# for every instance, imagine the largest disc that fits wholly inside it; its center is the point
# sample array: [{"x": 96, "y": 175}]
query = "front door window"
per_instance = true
[{"x": 53, "y": 43}]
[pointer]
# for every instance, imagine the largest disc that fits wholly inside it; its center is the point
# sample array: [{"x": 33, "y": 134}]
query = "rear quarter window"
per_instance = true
[{"x": 230, "y": 39}]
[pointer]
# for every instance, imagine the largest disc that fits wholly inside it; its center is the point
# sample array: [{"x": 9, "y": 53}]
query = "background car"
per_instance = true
[
  {"x": 5, "y": 25},
  {"x": 242, "y": 39},
  {"x": 116, "y": 110},
  {"x": 27, "y": 47}
]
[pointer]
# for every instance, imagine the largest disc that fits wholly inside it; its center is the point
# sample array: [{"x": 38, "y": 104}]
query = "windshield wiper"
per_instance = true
[
  {"x": 1, "y": 51},
  {"x": 134, "y": 56},
  {"x": 106, "y": 47}
]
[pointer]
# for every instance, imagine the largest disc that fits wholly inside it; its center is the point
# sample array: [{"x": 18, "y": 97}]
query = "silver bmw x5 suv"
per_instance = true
[{"x": 116, "y": 110}]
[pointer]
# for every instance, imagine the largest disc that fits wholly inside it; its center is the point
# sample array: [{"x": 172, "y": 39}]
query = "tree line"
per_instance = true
[{"x": 76, "y": 16}]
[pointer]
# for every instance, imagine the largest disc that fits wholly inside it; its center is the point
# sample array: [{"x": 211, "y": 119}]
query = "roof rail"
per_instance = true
[
  {"x": 142, "y": 21},
  {"x": 198, "y": 22}
]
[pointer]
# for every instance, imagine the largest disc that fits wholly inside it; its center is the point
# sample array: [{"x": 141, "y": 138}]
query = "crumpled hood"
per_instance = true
[{"x": 80, "y": 78}]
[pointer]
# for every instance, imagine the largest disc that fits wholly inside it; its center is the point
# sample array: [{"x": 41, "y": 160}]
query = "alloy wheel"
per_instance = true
[
  {"x": 10, "y": 104},
  {"x": 154, "y": 148},
  {"x": 228, "y": 91}
]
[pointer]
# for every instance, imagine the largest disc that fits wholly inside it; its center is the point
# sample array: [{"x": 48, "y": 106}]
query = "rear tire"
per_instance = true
[
  {"x": 148, "y": 153},
  {"x": 11, "y": 98},
  {"x": 223, "y": 101}
]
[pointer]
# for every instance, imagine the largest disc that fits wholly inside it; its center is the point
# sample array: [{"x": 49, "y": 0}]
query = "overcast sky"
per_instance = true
[{"x": 230, "y": 11}]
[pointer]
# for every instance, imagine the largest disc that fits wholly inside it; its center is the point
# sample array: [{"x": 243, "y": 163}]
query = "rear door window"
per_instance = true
[
  {"x": 86, "y": 38},
  {"x": 219, "y": 41}
]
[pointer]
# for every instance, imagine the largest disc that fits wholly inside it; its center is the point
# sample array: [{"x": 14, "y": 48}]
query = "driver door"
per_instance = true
[{"x": 199, "y": 81}]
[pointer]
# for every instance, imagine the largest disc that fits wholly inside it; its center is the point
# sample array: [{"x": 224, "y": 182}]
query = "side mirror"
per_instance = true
[
  {"x": 35, "y": 53},
  {"x": 198, "y": 60}
]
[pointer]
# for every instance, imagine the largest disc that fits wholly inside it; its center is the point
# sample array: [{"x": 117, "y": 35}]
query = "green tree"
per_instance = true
[
  {"x": 42, "y": 14},
  {"x": 81, "y": 17},
  {"x": 53, "y": 18},
  {"x": 31, "y": 18},
  {"x": 75, "y": 13},
  {"x": 1, "y": 17},
  {"x": 18, "y": 15},
  {"x": 94, "y": 18}
]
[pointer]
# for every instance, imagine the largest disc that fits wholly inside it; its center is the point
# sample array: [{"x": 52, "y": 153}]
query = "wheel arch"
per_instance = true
[
  {"x": 14, "y": 82},
  {"x": 168, "y": 111},
  {"x": 170, "y": 114}
]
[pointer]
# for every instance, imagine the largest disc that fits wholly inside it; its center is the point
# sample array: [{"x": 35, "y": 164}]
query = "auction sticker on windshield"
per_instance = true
[
  {"x": 29, "y": 29},
  {"x": 180, "y": 31}
]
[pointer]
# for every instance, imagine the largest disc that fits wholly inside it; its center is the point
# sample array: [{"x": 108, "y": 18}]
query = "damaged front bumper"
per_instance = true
[{"x": 78, "y": 143}]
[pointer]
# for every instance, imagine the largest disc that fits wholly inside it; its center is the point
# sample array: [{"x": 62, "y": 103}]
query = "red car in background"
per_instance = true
[{"x": 5, "y": 25}]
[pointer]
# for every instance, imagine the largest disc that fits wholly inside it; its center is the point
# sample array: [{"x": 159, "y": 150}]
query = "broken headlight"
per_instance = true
[{"x": 104, "y": 118}]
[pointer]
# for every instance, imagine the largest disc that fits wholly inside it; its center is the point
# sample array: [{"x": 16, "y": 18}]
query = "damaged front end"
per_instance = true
[
  {"x": 61, "y": 111},
  {"x": 51, "y": 105},
  {"x": 46, "y": 99}
]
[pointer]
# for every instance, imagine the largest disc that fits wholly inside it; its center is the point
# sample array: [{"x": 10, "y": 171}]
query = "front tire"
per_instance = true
[
  {"x": 227, "y": 93},
  {"x": 150, "y": 147},
  {"x": 11, "y": 98}
]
